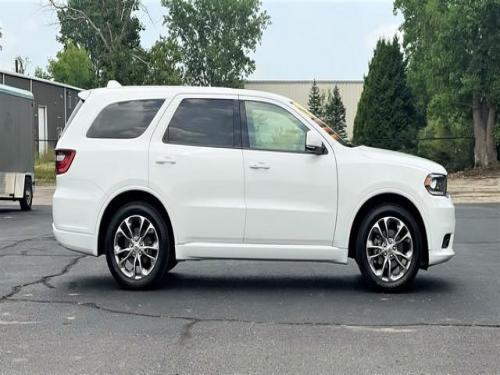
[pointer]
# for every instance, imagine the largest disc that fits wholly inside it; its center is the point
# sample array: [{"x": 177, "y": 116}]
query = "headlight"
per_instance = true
[{"x": 436, "y": 184}]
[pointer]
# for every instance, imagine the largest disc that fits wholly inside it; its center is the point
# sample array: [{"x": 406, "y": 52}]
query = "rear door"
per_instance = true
[{"x": 196, "y": 164}]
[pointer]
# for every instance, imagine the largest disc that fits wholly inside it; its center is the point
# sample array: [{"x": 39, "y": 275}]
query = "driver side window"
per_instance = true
[{"x": 271, "y": 127}]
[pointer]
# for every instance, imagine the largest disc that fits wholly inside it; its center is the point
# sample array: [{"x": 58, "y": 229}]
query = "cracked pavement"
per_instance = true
[{"x": 62, "y": 313}]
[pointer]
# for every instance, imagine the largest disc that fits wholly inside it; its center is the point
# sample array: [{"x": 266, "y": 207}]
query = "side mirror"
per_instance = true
[{"x": 314, "y": 143}]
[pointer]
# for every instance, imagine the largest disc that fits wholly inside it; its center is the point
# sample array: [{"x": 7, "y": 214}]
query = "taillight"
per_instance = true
[{"x": 64, "y": 158}]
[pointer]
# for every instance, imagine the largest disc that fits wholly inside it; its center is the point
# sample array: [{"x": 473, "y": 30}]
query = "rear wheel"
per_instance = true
[
  {"x": 389, "y": 248},
  {"x": 137, "y": 246},
  {"x": 27, "y": 199}
]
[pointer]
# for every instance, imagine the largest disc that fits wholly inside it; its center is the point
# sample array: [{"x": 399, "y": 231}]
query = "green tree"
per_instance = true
[
  {"x": 333, "y": 112},
  {"x": 72, "y": 66},
  {"x": 109, "y": 31},
  {"x": 315, "y": 99},
  {"x": 163, "y": 61},
  {"x": 386, "y": 115},
  {"x": 1, "y": 35},
  {"x": 448, "y": 142},
  {"x": 41, "y": 73},
  {"x": 215, "y": 38},
  {"x": 453, "y": 47}
]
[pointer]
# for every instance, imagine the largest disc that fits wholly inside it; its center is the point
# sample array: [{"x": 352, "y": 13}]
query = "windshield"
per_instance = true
[{"x": 322, "y": 124}]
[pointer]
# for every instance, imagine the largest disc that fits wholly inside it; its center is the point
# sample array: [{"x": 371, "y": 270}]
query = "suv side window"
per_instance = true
[
  {"x": 202, "y": 122},
  {"x": 124, "y": 120},
  {"x": 270, "y": 127}
]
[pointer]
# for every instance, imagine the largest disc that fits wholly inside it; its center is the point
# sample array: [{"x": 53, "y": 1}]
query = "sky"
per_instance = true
[{"x": 322, "y": 39}]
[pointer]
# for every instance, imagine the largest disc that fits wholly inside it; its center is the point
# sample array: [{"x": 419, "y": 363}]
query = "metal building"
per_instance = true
[
  {"x": 350, "y": 91},
  {"x": 53, "y": 104}
]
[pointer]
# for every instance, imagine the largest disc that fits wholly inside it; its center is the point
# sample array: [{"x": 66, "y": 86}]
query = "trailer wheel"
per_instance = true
[{"x": 27, "y": 198}]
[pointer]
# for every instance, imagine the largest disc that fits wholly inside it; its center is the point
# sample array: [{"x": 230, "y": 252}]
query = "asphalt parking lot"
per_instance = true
[{"x": 62, "y": 313}]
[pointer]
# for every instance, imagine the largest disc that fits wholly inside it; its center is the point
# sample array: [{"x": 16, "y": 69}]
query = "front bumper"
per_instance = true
[
  {"x": 440, "y": 256},
  {"x": 440, "y": 222}
]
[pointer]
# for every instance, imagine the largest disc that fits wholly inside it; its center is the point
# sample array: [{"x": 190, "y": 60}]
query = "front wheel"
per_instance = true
[
  {"x": 137, "y": 246},
  {"x": 389, "y": 248}
]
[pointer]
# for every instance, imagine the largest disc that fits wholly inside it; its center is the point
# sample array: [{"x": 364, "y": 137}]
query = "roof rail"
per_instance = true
[{"x": 113, "y": 84}]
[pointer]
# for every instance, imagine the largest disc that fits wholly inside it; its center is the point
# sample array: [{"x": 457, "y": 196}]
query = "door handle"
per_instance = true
[
  {"x": 166, "y": 160},
  {"x": 259, "y": 165}
]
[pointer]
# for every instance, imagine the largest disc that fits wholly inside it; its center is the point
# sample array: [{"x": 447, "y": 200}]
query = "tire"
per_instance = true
[
  {"x": 390, "y": 261},
  {"x": 132, "y": 264},
  {"x": 172, "y": 265},
  {"x": 27, "y": 199}
]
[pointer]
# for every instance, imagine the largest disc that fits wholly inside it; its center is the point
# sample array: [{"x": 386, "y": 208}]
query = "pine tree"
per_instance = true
[
  {"x": 334, "y": 112},
  {"x": 314, "y": 101},
  {"x": 386, "y": 115}
]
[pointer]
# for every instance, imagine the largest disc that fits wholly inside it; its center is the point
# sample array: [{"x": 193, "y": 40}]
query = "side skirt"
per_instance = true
[{"x": 203, "y": 250}]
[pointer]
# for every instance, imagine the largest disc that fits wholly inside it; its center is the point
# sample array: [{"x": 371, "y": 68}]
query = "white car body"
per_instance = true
[{"x": 237, "y": 203}]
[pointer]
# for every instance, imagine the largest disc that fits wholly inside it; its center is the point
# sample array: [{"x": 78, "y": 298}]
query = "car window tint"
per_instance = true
[
  {"x": 202, "y": 122},
  {"x": 273, "y": 128},
  {"x": 127, "y": 119}
]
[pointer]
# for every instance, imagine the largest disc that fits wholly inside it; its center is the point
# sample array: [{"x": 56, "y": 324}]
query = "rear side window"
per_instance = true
[
  {"x": 202, "y": 122},
  {"x": 128, "y": 119}
]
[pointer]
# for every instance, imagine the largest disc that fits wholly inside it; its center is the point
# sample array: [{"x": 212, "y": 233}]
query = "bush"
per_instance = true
[
  {"x": 450, "y": 145},
  {"x": 45, "y": 168}
]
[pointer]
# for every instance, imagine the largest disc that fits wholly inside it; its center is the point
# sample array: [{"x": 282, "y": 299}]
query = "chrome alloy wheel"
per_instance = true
[
  {"x": 136, "y": 247},
  {"x": 389, "y": 249}
]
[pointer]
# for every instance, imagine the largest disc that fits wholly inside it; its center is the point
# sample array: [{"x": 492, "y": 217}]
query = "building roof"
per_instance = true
[
  {"x": 7, "y": 72},
  {"x": 14, "y": 91},
  {"x": 274, "y": 81}
]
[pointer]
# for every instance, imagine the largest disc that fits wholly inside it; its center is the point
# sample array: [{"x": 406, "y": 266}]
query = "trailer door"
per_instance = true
[{"x": 42, "y": 130}]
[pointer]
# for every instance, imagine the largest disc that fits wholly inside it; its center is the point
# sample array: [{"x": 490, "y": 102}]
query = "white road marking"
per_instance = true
[
  {"x": 381, "y": 329},
  {"x": 14, "y": 322}
]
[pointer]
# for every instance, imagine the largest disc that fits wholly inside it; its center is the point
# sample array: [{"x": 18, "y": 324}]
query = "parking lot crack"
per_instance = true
[
  {"x": 43, "y": 280},
  {"x": 14, "y": 244},
  {"x": 25, "y": 253},
  {"x": 186, "y": 331},
  {"x": 191, "y": 321}
]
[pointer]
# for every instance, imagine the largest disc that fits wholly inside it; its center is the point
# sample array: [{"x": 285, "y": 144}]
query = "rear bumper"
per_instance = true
[
  {"x": 80, "y": 242},
  {"x": 75, "y": 207}
]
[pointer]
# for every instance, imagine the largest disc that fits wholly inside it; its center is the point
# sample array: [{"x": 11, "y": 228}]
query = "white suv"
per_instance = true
[{"x": 150, "y": 176}]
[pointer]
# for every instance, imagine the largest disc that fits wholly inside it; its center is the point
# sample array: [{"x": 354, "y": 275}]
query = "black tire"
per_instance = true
[
  {"x": 370, "y": 219},
  {"x": 27, "y": 199},
  {"x": 160, "y": 268},
  {"x": 172, "y": 265}
]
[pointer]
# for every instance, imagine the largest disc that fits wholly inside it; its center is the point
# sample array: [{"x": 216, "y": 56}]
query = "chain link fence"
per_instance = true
[{"x": 43, "y": 146}]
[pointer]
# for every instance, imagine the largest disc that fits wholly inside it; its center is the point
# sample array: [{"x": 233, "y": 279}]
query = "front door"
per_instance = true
[
  {"x": 291, "y": 194},
  {"x": 196, "y": 164}
]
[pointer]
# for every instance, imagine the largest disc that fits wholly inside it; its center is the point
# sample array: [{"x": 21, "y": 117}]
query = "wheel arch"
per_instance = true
[
  {"x": 389, "y": 198},
  {"x": 127, "y": 197}
]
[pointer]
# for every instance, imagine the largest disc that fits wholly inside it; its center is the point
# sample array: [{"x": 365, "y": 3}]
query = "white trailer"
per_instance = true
[{"x": 16, "y": 146}]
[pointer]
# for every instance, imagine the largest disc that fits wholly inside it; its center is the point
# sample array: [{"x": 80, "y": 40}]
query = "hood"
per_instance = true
[{"x": 401, "y": 158}]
